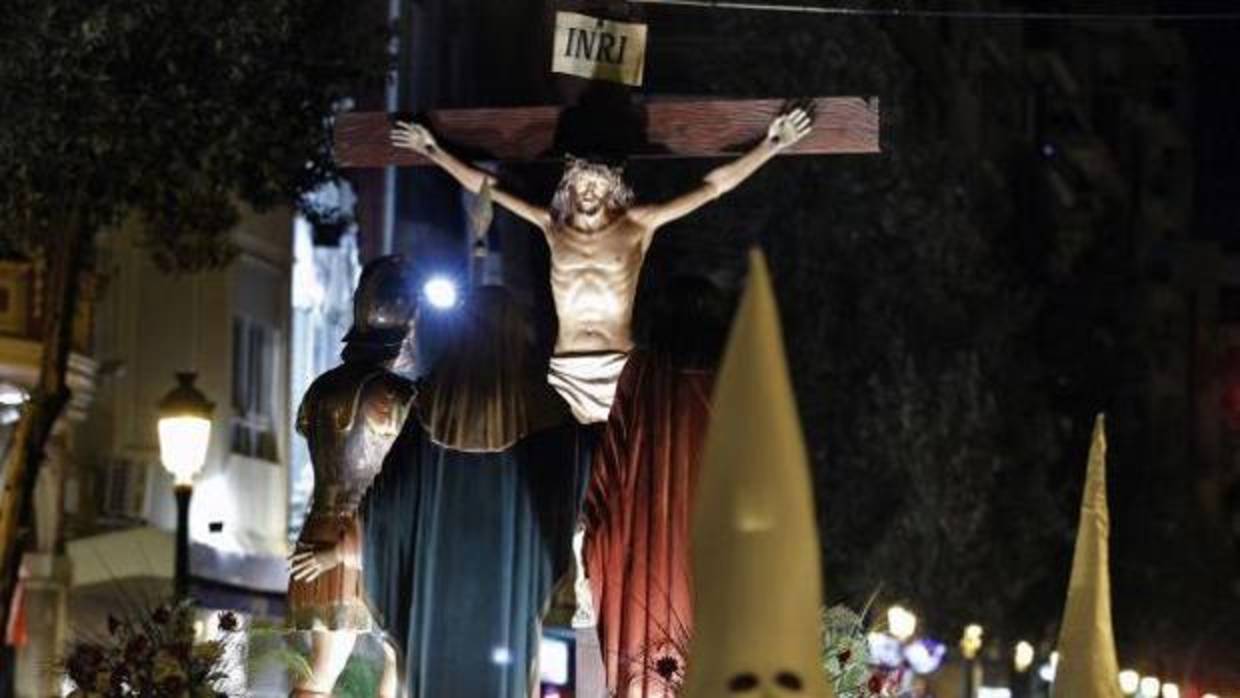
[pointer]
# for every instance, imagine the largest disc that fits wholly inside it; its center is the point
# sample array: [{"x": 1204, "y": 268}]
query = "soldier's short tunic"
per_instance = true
[{"x": 349, "y": 416}]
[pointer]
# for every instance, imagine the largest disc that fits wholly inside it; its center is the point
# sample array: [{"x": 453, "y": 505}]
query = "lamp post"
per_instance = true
[
  {"x": 184, "y": 435},
  {"x": 1022, "y": 661},
  {"x": 970, "y": 645}
]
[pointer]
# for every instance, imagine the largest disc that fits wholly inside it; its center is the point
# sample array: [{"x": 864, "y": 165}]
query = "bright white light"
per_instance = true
[
  {"x": 1170, "y": 690},
  {"x": 885, "y": 650},
  {"x": 440, "y": 292},
  {"x": 553, "y": 661},
  {"x": 925, "y": 655},
  {"x": 1150, "y": 686},
  {"x": 1209, "y": 695},
  {"x": 1023, "y": 657},
  {"x": 12, "y": 395},
  {"x": 501, "y": 656},
  {"x": 1047, "y": 670},
  {"x": 993, "y": 692},
  {"x": 9, "y": 414},
  {"x": 1129, "y": 682},
  {"x": 901, "y": 622},
  {"x": 183, "y": 445}
]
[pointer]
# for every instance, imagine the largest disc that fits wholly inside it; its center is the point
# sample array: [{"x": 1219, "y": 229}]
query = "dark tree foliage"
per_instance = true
[
  {"x": 947, "y": 374},
  {"x": 171, "y": 111},
  {"x": 166, "y": 114}
]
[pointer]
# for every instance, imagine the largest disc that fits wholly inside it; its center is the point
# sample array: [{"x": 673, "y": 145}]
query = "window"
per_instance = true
[
  {"x": 253, "y": 389},
  {"x": 122, "y": 486}
]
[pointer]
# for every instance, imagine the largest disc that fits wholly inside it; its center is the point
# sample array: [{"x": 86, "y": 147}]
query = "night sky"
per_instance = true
[{"x": 1217, "y": 116}]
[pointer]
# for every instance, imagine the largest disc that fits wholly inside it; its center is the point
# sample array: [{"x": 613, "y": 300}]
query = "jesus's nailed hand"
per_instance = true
[
  {"x": 415, "y": 137},
  {"x": 789, "y": 127}
]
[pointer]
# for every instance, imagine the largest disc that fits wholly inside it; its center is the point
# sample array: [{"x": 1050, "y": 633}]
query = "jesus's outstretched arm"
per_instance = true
[
  {"x": 417, "y": 138},
  {"x": 786, "y": 129}
]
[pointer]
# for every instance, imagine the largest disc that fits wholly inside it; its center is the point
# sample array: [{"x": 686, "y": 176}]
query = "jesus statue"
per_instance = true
[{"x": 598, "y": 239}]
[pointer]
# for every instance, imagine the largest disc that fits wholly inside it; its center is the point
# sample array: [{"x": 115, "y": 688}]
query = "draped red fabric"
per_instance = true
[{"x": 638, "y": 513}]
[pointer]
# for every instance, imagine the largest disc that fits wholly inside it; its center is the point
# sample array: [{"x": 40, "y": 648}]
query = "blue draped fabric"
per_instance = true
[{"x": 461, "y": 553}]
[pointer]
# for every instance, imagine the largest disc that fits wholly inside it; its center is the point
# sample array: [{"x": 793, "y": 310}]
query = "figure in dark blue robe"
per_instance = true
[{"x": 469, "y": 525}]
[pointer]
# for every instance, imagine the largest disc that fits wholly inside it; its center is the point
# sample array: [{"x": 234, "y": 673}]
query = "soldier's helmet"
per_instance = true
[{"x": 384, "y": 304}]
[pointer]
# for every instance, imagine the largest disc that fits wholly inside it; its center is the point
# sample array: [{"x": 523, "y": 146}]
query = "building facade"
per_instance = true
[{"x": 106, "y": 541}]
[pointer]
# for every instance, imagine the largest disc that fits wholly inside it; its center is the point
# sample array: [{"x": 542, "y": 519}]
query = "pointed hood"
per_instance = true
[
  {"x": 1087, "y": 663},
  {"x": 756, "y": 567}
]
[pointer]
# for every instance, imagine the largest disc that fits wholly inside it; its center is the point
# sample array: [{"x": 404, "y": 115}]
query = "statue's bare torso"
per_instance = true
[
  {"x": 597, "y": 239},
  {"x": 594, "y": 283}
]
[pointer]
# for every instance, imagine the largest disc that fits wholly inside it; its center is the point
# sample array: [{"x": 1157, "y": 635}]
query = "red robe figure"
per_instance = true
[{"x": 640, "y": 500}]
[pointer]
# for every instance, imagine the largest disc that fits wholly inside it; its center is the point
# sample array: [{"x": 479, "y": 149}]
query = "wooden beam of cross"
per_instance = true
[{"x": 677, "y": 129}]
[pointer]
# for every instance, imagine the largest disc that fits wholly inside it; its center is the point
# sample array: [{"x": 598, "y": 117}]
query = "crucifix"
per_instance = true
[{"x": 597, "y": 236}]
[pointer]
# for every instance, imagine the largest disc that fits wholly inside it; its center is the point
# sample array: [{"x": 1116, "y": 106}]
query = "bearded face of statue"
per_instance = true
[{"x": 589, "y": 194}]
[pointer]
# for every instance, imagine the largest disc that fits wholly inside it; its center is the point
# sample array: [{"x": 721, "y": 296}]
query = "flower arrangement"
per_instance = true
[
  {"x": 153, "y": 655},
  {"x": 845, "y": 658}
]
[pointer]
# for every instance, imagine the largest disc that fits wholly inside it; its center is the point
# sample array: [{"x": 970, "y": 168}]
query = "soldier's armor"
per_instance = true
[{"x": 350, "y": 416}]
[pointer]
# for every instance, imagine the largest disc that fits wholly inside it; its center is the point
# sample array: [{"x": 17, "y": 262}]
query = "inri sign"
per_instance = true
[{"x": 598, "y": 49}]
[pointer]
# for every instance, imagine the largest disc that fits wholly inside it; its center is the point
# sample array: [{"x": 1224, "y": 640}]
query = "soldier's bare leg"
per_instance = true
[
  {"x": 389, "y": 682},
  {"x": 329, "y": 653}
]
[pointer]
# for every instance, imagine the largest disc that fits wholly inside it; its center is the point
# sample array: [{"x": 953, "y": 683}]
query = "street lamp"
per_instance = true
[
  {"x": 184, "y": 435},
  {"x": 1150, "y": 686},
  {"x": 1129, "y": 682},
  {"x": 970, "y": 645},
  {"x": 1170, "y": 690},
  {"x": 971, "y": 641},
  {"x": 901, "y": 623},
  {"x": 1022, "y": 658}
]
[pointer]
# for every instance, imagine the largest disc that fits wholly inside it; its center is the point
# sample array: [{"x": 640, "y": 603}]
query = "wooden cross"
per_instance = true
[{"x": 674, "y": 129}]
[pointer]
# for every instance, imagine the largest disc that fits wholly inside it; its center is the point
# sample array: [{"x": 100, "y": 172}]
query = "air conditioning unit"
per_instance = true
[{"x": 122, "y": 489}]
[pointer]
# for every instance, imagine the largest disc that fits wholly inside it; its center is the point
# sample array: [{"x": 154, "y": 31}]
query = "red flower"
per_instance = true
[
  {"x": 83, "y": 663},
  {"x": 120, "y": 677},
  {"x": 161, "y": 615},
  {"x": 666, "y": 667},
  {"x": 172, "y": 686},
  {"x": 137, "y": 647},
  {"x": 875, "y": 684},
  {"x": 181, "y": 650},
  {"x": 228, "y": 621}
]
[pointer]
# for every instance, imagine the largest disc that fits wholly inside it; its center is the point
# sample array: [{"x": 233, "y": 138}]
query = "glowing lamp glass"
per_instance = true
[
  {"x": 1022, "y": 658},
  {"x": 1150, "y": 687},
  {"x": 183, "y": 442},
  {"x": 1170, "y": 690},
  {"x": 184, "y": 429},
  {"x": 1129, "y": 682},
  {"x": 971, "y": 642},
  {"x": 901, "y": 623}
]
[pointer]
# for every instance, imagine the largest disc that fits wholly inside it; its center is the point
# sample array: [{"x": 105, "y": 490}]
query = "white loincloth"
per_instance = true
[{"x": 587, "y": 382}]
